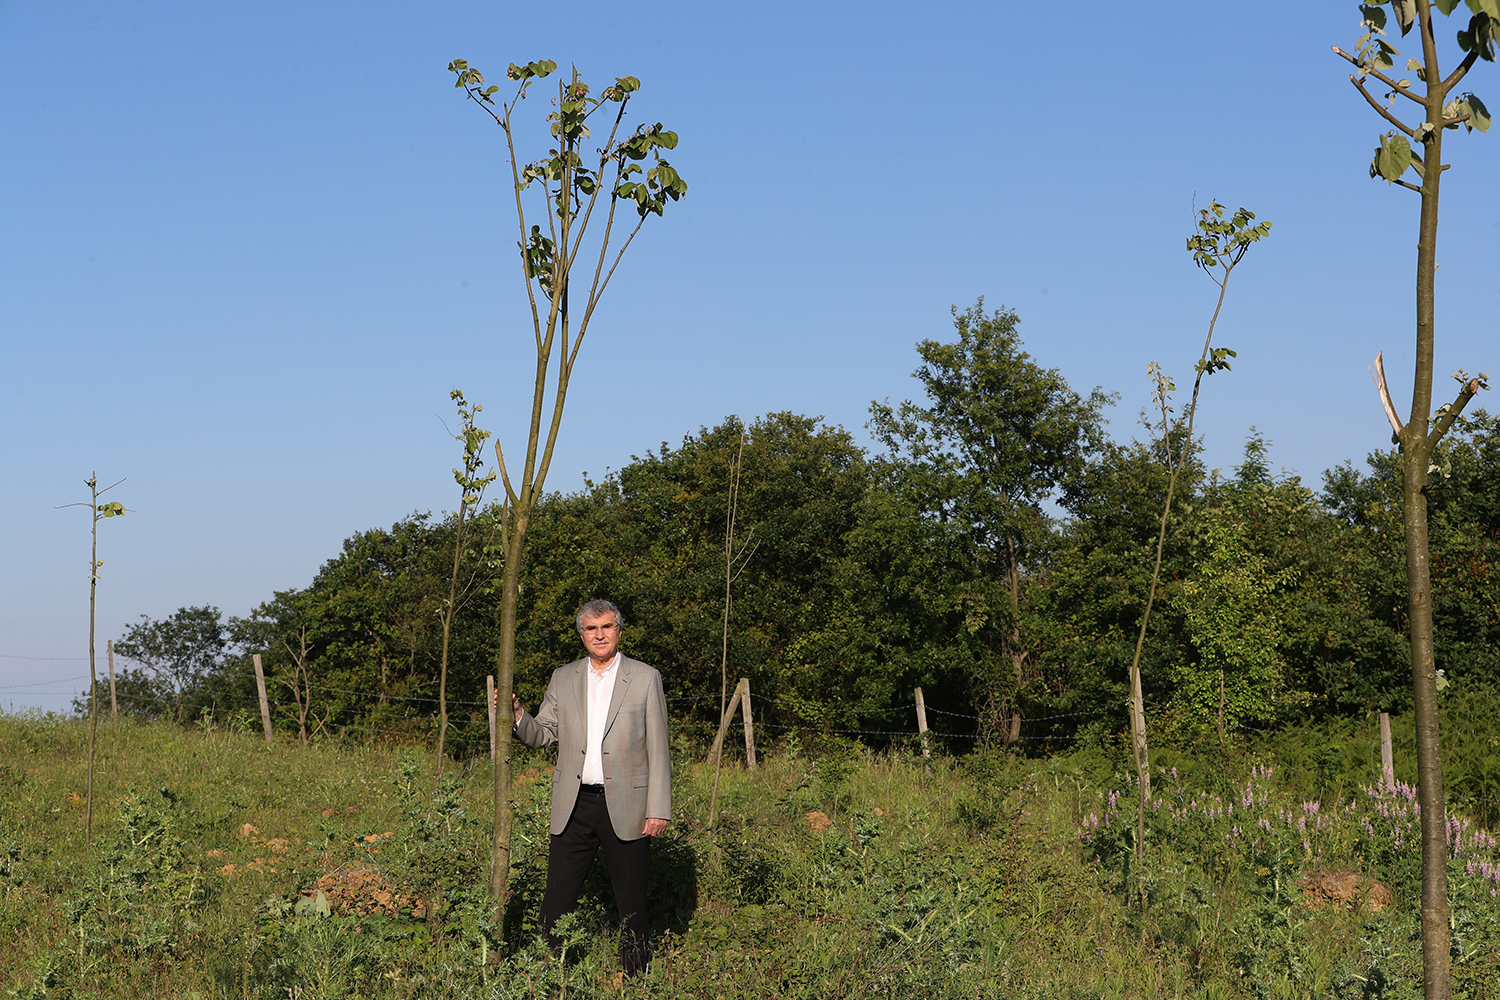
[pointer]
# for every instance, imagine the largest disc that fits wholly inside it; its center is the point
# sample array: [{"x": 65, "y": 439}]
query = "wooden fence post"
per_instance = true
[
  {"x": 749, "y": 725},
  {"x": 922, "y": 723},
  {"x": 1387, "y": 759},
  {"x": 734, "y": 701},
  {"x": 114, "y": 706},
  {"x": 260, "y": 689},
  {"x": 489, "y": 701}
]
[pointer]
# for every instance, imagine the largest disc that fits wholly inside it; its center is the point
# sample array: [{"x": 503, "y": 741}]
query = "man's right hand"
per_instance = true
[{"x": 515, "y": 704}]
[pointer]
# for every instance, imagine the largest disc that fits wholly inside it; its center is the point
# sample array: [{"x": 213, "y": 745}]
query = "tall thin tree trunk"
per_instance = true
[
  {"x": 1213, "y": 252},
  {"x": 88, "y": 808},
  {"x": 734, "y": 492},
  {"x": 505, "y": 663},
  {"x": 301, "y": 682},
  {"x": 1416, "y": 453},
  {"x": 1018, "y": 655},
  {"x": 448, "y": 613}
]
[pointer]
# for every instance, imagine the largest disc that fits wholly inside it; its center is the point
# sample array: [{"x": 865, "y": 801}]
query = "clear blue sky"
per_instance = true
[{"x": 246, "y": 250}]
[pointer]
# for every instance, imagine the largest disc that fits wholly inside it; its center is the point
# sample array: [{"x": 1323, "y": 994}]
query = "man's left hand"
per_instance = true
[{"x": 654, "y": 827}]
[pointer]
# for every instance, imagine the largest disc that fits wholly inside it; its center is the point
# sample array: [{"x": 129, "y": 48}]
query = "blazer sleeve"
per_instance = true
[
  {"x": 658, "y": 753},
  {"x": 537, "y": 731}
]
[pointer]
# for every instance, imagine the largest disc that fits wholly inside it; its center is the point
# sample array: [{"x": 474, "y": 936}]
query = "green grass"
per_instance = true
[{"x": 829, "y": 874}]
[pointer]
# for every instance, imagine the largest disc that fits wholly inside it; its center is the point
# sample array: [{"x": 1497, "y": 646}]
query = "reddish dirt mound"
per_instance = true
[
  {"x": 1345, "y": 890},
  {"x": 360, "y": 891},
  {"x": 817, "y": 821}
]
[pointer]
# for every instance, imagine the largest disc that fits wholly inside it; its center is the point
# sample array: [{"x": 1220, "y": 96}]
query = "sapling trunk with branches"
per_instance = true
[
  {"x": 737, "y": 555},
  {"x": 300, "y": 682},
  {"x": 1217, "y": 247},
  {"x": 1440, "y": 106},
  {"x": 96, "y": 511},
  {"x": 471, "y": 491},
  {"x": 572, "y": 191}
]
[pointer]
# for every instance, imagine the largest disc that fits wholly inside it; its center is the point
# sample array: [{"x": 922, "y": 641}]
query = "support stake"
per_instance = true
[
  {"x": 922, "y": 723},
  {"x": 749, "y": 725},
  {"x": 260, "y": 689},
  {"x": 741, "y": 690},
  {"x": 1387, "y": 758}
]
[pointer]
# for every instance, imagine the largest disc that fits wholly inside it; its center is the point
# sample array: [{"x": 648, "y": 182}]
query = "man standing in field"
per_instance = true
[{"x": 613, "y": 784}]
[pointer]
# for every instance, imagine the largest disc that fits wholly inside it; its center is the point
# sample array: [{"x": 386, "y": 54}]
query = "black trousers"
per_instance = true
[{"x": 569, "y": 857}]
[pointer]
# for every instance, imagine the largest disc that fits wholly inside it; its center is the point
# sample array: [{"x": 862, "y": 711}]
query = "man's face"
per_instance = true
[{"x": 601, "y": 637}]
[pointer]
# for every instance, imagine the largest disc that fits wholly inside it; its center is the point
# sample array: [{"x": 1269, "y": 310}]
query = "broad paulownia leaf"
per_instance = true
[
  {"x": 1392, "y": 158},
  {"x": 1479, "y": 115},
  {"x": 1406, "y": 13}
]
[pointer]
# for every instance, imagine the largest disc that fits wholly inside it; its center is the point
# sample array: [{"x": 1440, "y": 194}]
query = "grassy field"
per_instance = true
[{"x": 224, "y": 868}]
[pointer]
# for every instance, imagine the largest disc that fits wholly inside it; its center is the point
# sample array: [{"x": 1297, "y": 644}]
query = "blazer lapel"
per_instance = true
[
  {"x": 580, "y": 688},
  {"x": 617, "y": 697}
]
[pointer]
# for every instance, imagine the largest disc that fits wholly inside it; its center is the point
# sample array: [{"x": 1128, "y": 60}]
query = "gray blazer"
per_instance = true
[{"x": 637, "y": 759}]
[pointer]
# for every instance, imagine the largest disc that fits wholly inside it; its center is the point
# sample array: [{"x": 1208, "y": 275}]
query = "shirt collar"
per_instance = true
[{"x": 601, "y": 674}]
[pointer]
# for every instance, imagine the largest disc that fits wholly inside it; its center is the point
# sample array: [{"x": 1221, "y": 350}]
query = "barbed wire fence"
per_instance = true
[
  {"x": 797, "y": 708},
  {"x": 371, "y": 730},
  {"x": 800, "y": 716}
]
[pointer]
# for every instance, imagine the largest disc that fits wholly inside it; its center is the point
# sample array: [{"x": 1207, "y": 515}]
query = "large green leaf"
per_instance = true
[
  {"x": 1479, "y": 115},
  {"x": 1481, "y": 36},
  {"x": 1446, "y": 6},
  {"x": 1406, "y": 13},
  {"x": 1392, "y": 158}
]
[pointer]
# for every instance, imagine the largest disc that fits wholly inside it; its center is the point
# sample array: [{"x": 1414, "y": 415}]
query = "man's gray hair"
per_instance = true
[{"x": 597, "y": 609}]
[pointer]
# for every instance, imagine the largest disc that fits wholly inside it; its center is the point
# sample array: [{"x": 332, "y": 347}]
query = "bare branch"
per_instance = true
[
  {"x": 1379, "y": 109},
  {"x": 504, "y": 476},
  {"x": 515, "y": 179},
  {"x": 545, "y": 463},
  {"x": 1372, "y": 71},
  {"x": 1461, "y": 70},
  {"x": 480, "y": 100},
  {"x": 1377, "y": 372},
  {"x": 1409, "y": 186},
  {"x": 744, "y": 557},
  {"x": 595, "y": 290},
  {"x": 1451, "y": 412},
  {"x": 604, "y": 159},
  {"x": 595, "y": 296}
]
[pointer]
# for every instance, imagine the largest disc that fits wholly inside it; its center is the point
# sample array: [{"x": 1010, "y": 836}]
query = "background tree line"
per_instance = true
[{"x": 996, "y": 551}]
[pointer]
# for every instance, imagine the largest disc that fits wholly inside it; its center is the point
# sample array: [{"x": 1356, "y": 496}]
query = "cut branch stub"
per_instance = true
[{"x": 1377, "y": 372}]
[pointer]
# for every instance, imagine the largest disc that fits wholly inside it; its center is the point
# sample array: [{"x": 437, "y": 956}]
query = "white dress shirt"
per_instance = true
[{"x": 601, "y": 688}]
